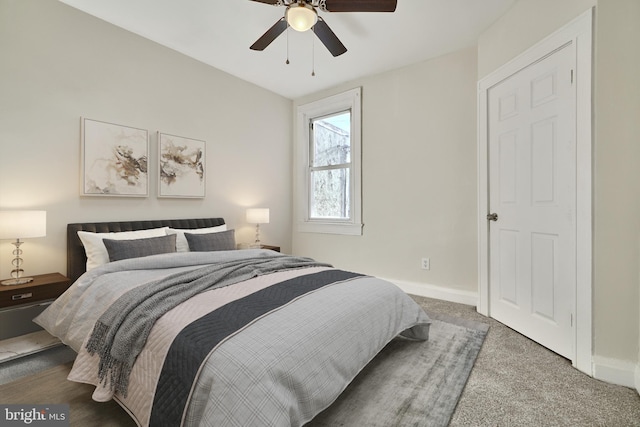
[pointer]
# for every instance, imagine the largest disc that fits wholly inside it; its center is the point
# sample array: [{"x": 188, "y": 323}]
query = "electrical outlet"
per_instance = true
[{"x": 425, "y": 264}]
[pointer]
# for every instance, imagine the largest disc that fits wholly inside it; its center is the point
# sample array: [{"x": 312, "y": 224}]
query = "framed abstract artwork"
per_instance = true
[
  {"x": 181, "y": 166},
  {"x": 114, "y": 159}
]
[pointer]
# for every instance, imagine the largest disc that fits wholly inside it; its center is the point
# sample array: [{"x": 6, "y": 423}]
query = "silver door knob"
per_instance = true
[{"x": 492, "y": 217}]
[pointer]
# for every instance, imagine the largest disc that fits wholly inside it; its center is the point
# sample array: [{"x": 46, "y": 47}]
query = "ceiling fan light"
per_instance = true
[{"x": 301, "y": 16}]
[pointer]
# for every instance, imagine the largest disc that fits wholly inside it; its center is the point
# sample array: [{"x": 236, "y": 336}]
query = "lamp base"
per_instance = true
[{"x": 18, "y": 281}]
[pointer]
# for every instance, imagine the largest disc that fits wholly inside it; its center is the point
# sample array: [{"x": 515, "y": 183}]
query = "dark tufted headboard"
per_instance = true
[{"x": 76, "y": 257}]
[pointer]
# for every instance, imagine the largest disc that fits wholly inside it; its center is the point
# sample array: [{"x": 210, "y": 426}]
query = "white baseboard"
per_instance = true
[
  {"x": 616, "y": 371},
  {"x": 438, "y": 292}
]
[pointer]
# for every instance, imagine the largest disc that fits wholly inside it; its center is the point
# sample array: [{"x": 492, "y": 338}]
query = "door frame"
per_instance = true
[{"x": 578, "y": 32}]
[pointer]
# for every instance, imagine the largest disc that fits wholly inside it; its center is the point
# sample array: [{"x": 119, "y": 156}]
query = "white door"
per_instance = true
[{"x": 532, "y": 190}]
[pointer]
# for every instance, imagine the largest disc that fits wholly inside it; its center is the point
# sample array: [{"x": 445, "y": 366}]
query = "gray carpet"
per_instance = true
[
  {"x": 413, "y": 383},
  {"x": 517, "y": 382}
]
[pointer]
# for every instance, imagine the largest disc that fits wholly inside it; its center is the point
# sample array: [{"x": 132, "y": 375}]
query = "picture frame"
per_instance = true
[
  {"x": 181, "y": 166},
  {"x": 114, "y": 159}
]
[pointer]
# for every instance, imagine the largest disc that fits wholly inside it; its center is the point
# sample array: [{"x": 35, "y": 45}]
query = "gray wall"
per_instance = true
[
  {"x": 59, "y": 64},
  {"x": 418, "y": 177}
]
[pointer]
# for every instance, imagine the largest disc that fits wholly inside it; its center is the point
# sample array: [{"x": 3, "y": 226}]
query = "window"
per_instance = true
[{"x": 328, "y": 165}]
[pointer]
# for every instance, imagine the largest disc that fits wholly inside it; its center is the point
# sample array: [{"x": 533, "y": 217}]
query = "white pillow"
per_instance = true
[
  {"x": 181, "y": 242},
  {"x": 97, "y": 254}
]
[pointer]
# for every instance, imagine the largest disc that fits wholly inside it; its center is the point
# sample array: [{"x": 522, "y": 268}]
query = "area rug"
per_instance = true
[
  {"x": 411, "y": 383},
  {"x": 15, "y": 369},
  {"x": 408, "y": 383}
]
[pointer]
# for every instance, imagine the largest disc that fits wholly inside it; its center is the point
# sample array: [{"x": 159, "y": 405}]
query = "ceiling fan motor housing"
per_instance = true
[{"x": 301, "y": 16}]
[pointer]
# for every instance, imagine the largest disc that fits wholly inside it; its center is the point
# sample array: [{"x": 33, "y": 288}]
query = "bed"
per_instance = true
[{"x": 214, "y": 336}]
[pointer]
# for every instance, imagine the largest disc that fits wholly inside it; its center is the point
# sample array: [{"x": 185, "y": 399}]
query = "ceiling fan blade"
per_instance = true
[
  {"x": 271, "y": 34},
  {"x": 328, "y": 38},
  {"x": 273, "y": 2},
  {"x": 361, "y": 5}
]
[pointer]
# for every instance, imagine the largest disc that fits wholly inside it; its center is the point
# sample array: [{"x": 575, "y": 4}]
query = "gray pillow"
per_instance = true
[
  {"x": 221, "y": 241},
  {"x": 134, "y": 248}
]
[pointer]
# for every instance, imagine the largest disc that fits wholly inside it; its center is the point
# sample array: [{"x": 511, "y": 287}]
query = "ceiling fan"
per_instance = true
[{"x": 302, "y": 15}]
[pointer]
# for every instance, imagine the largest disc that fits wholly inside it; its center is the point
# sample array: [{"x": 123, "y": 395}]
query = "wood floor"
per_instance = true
[{"x": 46, "y": 388}]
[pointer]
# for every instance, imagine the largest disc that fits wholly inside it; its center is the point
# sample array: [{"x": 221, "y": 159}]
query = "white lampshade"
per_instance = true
[
  {"x": 301, "y": 16},
  {"x": 258, "y": 216},
  {"x": 23, "y": 224}
]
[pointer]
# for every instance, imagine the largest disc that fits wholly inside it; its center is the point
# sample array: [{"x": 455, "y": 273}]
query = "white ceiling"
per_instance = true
[{"x": 219, "y": 33}]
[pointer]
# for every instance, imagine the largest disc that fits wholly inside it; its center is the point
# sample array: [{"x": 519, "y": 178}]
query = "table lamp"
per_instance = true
[
  {"x": 18, "y": 225},
  {"x": 258, "y": 216}
]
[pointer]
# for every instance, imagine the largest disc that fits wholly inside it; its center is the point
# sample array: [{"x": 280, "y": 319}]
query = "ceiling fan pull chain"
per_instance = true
[
  {"x": 287, "y": 62},
  {"x": 313, "y": 54}
]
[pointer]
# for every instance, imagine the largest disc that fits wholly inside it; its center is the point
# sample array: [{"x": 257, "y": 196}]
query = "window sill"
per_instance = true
[{"x": 330, "y": 228}]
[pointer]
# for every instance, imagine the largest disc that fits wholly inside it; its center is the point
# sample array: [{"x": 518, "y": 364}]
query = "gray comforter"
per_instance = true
[
  {"x": 281, "y": 368},
  {"x": 120, "y": 333}
]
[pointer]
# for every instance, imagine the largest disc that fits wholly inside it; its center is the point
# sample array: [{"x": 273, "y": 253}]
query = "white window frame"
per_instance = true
[{"x": 350, "y": 100}]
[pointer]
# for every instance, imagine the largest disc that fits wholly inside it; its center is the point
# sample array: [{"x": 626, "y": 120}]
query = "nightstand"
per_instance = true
[
  {"x": 18, "y": 305},
  {"x": 43, "y": 288},
  {"x": 272, "y": 248}
]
